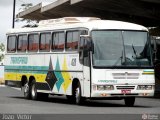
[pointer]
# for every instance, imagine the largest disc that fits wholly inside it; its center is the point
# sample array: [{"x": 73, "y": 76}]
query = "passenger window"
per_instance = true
[
  {"x": 72, "y": 40},
  {"x": 11, "y": 44},
  {"x": 81, "y": 42},
  {"x": 33, "y": 42},
  {"x": 58, "y": 41},
  {"x": 84, "y": 32},
  {"x": 85, "y": 44},
  {"x": 22, "y": 43},
  {"x": 45, "y": 42},
  {"x": 69, "y": 40}
]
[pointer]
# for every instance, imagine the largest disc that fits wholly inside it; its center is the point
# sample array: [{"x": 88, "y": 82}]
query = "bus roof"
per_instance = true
[{"x": 90, "y": 23}]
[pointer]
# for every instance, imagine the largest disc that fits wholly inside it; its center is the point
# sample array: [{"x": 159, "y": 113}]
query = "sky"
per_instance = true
[{"x": 6, "y": 14}]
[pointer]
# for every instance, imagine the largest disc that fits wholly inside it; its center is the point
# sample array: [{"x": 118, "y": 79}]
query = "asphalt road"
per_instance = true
[{"x": 12, "y": 102}]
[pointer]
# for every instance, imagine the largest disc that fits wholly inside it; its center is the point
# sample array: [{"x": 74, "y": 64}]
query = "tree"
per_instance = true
[
  {"x": 29, "y": 22},
  {"x": 2, "y": 49}
]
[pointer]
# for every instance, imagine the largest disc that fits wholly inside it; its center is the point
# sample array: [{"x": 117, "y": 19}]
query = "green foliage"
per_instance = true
[
  {"x": 23, "y": 8},
  {"x": 2, "y": 49},
  {"x": 26, "y": 6},
  {"x": 1, "y": 57}
]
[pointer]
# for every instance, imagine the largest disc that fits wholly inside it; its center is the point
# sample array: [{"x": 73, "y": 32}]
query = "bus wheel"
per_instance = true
[
  {"x": 129, "y": 101},
  {"x": 34, "y": 94},
  {"x": 26, "y": 91},
  {"x": 77, "y": 95}
]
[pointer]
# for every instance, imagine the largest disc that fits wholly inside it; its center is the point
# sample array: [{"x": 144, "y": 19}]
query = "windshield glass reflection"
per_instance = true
[{"x": 121, "y": 48}]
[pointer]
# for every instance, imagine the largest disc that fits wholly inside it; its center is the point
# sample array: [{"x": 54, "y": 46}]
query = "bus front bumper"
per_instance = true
[{"x": 122, "y": 93}]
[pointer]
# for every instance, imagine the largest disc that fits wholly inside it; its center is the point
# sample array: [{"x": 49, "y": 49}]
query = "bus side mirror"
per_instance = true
[
  {"x": 88, "y": 45},
  {"x": 87, "y": 42},
  {"x": 87, "y": 48}
]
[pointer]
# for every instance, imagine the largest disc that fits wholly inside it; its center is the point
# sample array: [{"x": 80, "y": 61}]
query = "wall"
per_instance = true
[{"x": 1, "y": 74}]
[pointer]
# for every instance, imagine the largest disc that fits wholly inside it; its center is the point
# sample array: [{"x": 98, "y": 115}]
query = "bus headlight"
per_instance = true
[
  {"x": 100, "y": 87},
  {"x": 144, "y": 87},
  {"x": 105, "y": 87},
  {"x": 109, "y": 87}
]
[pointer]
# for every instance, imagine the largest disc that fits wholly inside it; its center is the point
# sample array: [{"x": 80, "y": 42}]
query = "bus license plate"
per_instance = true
[{"x": 125, "y": 91}]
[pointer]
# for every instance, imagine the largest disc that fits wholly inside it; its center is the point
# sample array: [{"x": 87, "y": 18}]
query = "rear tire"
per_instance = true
[
  {"x": 35, "y": 95},
  {"x": 129, "y": 101},
  {"x": 26, "y": 91}
]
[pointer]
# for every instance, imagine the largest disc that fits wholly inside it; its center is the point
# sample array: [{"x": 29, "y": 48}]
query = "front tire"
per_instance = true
[
  {"x": 78, "y": 99},
  {"x": 129, "y": 101}
]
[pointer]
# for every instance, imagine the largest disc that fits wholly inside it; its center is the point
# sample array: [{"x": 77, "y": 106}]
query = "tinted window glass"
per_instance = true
[
  {"x": 61, "y": 41},
  {"x": 22, "y": 43},
  {"x": 33, "y": 42},
  {"x": 121, "y": 48},
  {"x": 69, "y": 40},
  {"x": 81, "y": 44},
  {"x": 84, "y": 32},
  {"x": 72, "y": 40},
  {"x": 45, "y": 41},
  {"x": 108, "y": 48},
  {"x": 11, "y": 47},
  {"x": 58, "y": 41}
]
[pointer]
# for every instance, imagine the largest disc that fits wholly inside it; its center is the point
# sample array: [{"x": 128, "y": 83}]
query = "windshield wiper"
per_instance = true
[
  {"x": 134, "y": 51},
  {"x": 120, "y": 58},
  {"x": 137, "y": 56}
]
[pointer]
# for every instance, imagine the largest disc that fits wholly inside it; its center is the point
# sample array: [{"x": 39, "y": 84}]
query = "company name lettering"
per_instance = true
[
  {"x": 107, "y": 81},
  {"x": 19, "y": 60}
]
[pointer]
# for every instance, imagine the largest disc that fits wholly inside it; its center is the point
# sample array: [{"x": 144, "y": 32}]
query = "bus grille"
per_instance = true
[
  {"x": 125, "y": 75},
  {"x": 125, "y": 87}
]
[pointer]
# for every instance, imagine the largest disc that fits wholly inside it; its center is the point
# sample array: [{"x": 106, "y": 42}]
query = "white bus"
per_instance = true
[{"x": 82, "y": 58}]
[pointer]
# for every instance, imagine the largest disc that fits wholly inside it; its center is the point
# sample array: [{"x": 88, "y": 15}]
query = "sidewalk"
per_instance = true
[{"x": 1, "y": 74}]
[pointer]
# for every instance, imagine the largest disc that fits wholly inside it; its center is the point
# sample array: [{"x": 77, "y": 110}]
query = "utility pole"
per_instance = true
[{"x": 14, "y": 6}]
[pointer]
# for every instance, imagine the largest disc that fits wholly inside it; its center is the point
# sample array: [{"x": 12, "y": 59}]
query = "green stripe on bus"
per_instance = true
[{"x": 27, "y": 68}]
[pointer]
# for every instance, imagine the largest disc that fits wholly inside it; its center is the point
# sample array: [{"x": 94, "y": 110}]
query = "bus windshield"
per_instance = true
[{"x": 121, "y": 48}]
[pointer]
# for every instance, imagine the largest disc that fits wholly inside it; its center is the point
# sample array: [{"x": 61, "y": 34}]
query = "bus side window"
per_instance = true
[
  {"x": 85, "y": 44},
  {"x": 55, "y": 41},
  {"x": 11, "y": 43},
  {"x": 81, "y": 47},
  {"x": 61, "y": 41},
  {"x": 84, "y": 32},
  {"x": 45, "y": 39},
  {"x": 69, "y": 41},
  {"x": 75, "y": 40},
  {"x": 58, "y": 41},
  {"x": 81, "y": 42},
  {"x": 72, "y": 40},
  {"x": 33, "y": 42},
  {"x": 22, "y": 43}
]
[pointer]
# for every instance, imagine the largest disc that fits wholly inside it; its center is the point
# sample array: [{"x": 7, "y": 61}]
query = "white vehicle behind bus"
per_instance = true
[{"x": 82, "y": 58}]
